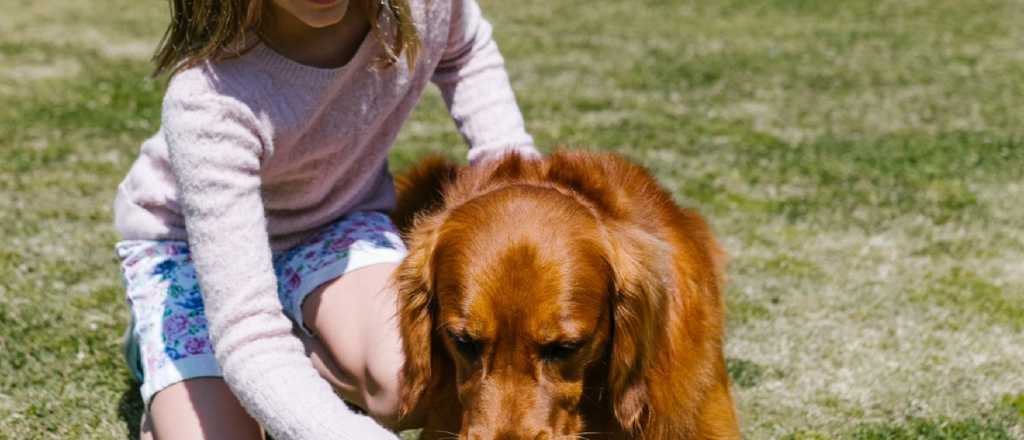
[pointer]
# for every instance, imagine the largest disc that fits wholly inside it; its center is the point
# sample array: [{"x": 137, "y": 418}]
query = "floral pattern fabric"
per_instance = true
[{"x": 169, "y": 337}]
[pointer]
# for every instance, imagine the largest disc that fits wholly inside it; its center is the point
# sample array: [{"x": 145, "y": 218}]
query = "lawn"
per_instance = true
[{"x": 861, "y": 160}]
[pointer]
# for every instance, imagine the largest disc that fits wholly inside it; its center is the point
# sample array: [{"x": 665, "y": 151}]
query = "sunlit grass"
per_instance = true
[{"x": 862, "y": 161}]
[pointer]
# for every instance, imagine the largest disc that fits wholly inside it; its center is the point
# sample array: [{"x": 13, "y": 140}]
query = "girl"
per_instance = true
[{"x": 259, "y": 203}]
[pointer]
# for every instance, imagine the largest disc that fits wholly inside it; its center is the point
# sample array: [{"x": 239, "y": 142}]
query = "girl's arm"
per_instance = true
[
  {"x": 475, "y": 86},
  {"x": 215, "y": 145}
]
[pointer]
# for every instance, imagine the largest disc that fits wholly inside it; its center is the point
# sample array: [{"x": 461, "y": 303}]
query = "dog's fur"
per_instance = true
[{"x": 557, "y": 297}]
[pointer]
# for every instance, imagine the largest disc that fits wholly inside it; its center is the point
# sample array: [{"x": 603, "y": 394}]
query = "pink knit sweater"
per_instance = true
[{"x": 257, "y": 152}]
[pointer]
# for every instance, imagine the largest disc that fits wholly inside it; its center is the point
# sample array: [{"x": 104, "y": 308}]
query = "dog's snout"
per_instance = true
[{"x": 543, "y": 434}]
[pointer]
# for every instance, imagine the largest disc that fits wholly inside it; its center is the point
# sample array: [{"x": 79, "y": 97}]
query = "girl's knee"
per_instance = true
[
  {"x": 354, "y": 319},
  {"x": 381, "y": 391}
]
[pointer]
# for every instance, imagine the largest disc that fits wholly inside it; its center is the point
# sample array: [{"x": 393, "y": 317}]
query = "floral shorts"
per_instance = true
[{"x": 168, "y": 339}]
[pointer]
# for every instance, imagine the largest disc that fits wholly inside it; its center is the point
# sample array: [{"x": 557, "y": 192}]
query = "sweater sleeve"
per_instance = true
[
  {"x": 215, "y": 149},
  {"x": 475, "y": 87}
]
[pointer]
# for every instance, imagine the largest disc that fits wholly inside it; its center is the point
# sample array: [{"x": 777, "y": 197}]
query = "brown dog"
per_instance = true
[{"x": 563, "y": 297}]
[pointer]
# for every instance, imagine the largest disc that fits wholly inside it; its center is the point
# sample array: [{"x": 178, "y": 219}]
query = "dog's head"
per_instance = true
[{"x": 529, "y": 293}]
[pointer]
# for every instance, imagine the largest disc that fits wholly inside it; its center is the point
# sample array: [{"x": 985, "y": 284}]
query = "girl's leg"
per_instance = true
[
  {"x": 146, "y": 428},
  {"x": 358, "y": 348},
  {"x": 200, "y": 408}
]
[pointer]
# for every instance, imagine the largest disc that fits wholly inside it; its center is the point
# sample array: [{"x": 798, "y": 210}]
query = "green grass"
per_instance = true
[
  {"x": 919, "y": 429},
  {"x": 862, "y": 161},
  {"x": 934, "y": 429}
]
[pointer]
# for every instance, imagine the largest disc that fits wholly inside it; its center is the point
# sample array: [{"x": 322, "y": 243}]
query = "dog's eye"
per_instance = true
[
  {"x": 469, "y": 347},
  {"x": 557, "y": 351}
]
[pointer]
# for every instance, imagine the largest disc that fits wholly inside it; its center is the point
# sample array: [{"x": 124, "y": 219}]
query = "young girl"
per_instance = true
[{"x": 259, "y": 205}]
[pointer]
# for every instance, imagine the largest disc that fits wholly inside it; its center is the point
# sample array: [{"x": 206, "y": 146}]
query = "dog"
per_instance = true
[{"x": 563, "y": 297}]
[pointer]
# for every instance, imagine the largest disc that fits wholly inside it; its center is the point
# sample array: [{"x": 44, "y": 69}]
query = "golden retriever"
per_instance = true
[{"x": 563, "y": 297}]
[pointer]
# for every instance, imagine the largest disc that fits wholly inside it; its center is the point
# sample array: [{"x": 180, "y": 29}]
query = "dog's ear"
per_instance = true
[
  {"x": 640, "y": 264},
  {"x": 414, "y": 281},
  {"x": 420, "y": 190}
]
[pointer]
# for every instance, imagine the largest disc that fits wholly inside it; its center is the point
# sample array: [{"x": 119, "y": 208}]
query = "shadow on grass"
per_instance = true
[{"x": 130, "y": 408}]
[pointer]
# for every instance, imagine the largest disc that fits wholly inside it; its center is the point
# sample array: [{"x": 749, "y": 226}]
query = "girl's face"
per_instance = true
[{"x": 313, "y": 13}]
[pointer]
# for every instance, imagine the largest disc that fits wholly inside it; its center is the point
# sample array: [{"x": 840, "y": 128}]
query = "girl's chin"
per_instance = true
[{"x": 314, "y": 13}]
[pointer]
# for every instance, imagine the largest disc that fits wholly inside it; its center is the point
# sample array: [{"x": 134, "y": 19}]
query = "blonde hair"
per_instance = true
[{"x": 202, "y": 30}]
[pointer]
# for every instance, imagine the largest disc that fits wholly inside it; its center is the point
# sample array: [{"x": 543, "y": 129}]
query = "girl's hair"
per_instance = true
[{"x": 203, "y": 30}]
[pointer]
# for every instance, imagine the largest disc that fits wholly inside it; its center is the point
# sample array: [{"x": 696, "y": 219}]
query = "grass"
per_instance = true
[{"x": 862, "y": 161}]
